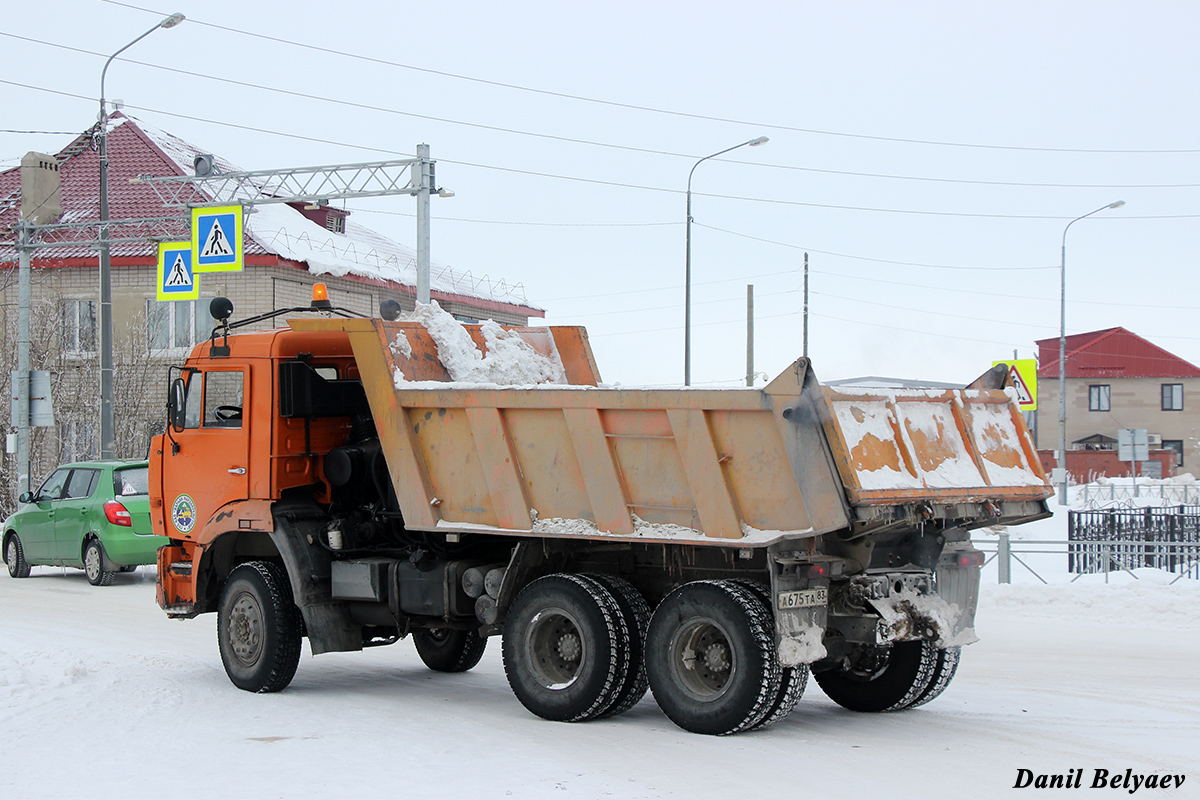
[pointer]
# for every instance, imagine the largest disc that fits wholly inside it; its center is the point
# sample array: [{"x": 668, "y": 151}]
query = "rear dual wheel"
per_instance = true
[
  {"x": 449, "y": 649},
  {"x": 711, "y": 658},
  {"x": 566, "y": 646},
  {"x": 876, "y": 679}
]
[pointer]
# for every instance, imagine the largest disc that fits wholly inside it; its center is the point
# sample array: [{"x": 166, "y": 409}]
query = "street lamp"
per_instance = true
[
  {"x": 1062, "y": 355},
  {"x": 687, "y": 281},
  {"x": 107, "y": 429}
]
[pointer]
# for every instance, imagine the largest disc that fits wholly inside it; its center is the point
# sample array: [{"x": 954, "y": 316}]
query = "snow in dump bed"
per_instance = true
[
  {"x": 509, "y": 361},
  {"x": 932, "y": 434}
]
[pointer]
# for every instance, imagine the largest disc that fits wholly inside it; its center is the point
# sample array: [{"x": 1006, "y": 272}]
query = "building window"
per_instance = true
[
  {"x": 174, "y": 325},
  {"x": 78, "y": 319},
  {"x": 1177, "y": 446},
  {"x": 335, "y": 223},
  {"x": 1099, "y": 398},
  {"x": 1172, "y": 397},
  {"x": 77, "y": 441}
]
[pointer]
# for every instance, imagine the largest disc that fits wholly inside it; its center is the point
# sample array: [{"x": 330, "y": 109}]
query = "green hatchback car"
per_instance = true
[{"x": 93, "y": 515}]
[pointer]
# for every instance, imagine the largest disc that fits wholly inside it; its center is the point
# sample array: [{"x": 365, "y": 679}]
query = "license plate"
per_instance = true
[{"x": 804, "y": 598}]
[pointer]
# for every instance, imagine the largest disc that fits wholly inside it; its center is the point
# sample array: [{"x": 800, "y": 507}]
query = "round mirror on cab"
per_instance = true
[
  {"x": 220, "y": 308},
  {"x": 390, "y": 310}
]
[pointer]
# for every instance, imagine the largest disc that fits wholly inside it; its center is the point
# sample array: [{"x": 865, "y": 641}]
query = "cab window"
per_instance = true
[{"x": 223, "y": 399}]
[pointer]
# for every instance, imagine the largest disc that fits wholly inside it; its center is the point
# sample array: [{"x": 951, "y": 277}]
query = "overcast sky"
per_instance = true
[{"x": 927, "y": 156}]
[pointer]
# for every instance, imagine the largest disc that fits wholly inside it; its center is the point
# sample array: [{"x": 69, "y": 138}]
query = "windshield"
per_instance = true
[{"x": 131, "y": 480}]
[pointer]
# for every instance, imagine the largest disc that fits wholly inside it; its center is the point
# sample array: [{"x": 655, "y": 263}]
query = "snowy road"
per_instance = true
[{"x": 102, "y": 696}]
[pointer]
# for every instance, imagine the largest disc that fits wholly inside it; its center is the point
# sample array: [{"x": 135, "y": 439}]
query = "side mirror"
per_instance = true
[
  {"x": 176, "y": 403},
  {"x": 26, "y": 497}
]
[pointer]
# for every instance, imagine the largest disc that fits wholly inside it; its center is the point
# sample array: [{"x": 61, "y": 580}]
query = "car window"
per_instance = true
[
  {"x": 223, "y": 399},
  {"x": 131, "y": 480},
  {"x": 80, "y": 484},
  {"x": 52, "y": 488}
]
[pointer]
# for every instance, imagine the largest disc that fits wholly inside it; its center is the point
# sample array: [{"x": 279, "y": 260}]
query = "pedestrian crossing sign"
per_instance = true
[
  {"x": 217, "y": 239},
  {"x": 176, "y": 278},
  {"x": 1022, "y": 376}
]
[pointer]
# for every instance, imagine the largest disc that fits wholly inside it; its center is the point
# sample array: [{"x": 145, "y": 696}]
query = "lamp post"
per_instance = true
[
  {"x": 1062, "y": 354},
  {"x": 687, "y": 280},
  {"x": 107, "y": 428}
]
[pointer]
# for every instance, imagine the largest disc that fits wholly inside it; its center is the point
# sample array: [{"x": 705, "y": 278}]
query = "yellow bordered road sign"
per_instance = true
[
  {"x": 217, "y": 239},
  {"x": 176, "y": 279},
  {"x": 1022, "y": 374}
]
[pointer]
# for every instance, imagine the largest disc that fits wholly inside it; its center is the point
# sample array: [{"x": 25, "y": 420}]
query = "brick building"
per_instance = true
[{"x": 1116, "y": 379}]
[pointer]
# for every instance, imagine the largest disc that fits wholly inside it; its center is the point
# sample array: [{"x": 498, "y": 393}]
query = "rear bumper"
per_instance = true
[{"x": 126, "y": 548}]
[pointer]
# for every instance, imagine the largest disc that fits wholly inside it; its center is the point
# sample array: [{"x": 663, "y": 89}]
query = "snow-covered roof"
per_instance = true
[{"x": 135, "y": 149}]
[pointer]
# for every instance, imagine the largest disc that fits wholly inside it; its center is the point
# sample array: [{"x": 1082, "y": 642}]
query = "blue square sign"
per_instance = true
[
  {"x": 176, "y": 279},
  {"x": 217, "y": 239}
]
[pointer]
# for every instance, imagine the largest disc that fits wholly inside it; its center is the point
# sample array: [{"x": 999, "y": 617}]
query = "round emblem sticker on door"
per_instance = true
[{"x": 183, "y": 513}]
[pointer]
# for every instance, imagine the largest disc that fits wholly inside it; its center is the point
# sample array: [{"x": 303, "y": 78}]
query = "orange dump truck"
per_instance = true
[{"x": 345, "y": 480}]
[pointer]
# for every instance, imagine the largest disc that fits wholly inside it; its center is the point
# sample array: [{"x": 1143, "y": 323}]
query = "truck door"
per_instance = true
[{"x": 211, "y": 467}]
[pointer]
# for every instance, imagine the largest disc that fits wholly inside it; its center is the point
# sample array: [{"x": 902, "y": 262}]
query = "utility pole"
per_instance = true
[
  {"x": 749, "y": 334},
  {"x": 805, "y": 351},
  {"x": 21, "y": 377},
  {"x": 423, "y": 224}
]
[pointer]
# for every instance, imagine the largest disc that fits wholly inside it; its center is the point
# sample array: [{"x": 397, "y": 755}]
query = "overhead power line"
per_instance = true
[
  {"x": 593, "y": 143},
  {"x": 597, "y": 181},
  {"x": 649, "y": 109}
]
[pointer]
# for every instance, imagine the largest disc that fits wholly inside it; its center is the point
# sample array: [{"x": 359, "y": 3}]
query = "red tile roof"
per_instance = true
[
  {"x": 1112, "y": 353},
  {"x": 135, "y": 149}
]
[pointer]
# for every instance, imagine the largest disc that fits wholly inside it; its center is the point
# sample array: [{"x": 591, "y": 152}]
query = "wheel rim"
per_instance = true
[
  {"x": 702, "y": 660},
  {"x": 554, "y": 648},
  {"x": 246, "y": 629},
  {"x": 438, "y": 636},
  {"x": 91, "y": 562},
  {"x": 10, "y": 555}
]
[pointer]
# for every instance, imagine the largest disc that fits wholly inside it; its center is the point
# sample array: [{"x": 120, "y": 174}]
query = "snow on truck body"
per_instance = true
[{"x": 375, "y": 479}]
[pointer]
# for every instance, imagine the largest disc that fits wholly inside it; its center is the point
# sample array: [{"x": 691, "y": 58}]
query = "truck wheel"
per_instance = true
[
  {"x": 258, "y": 628},
  {"x": 711, "y": 659},
  {"x": 636, "y": 613},
  {"x": 448, "y": 649},
  {"x": 881, "y": 678},
  {"x": 93, "y": 564},
  {"x": 943, "y": 672},
  {"x": 14, "y": 557},
  {"x": 793, "y": 680},
  {"x": 566, "y": 649}
]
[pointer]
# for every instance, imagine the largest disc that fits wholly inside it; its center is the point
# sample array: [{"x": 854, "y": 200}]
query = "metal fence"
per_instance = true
[
  {"x": 1092, "y": 494},
  {"x": 1109, "y": 540},
  {"x": 1166, "y": 538}
]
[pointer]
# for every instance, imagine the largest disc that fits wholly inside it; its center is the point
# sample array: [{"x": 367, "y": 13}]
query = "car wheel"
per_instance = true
[
  {"x": 14, "y": 557},
  {"x": 566, "y": 652},
  {"x": 258, "y": 628},
  {"x": 93, "y": 564},
  {"x": 711, "y": 659},
  {"x": 449, "y": 650}
]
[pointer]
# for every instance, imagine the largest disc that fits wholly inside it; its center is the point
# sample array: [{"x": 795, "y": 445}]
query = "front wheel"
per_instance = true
[
  {"x": 449, "y": 650},
  {"x": 258, "y": 628},
  {"x": 874, "y": 679},
  {"x": 14, "y": 558},
  {"x": 93, "y": 564},
  {"x": 711, "y": 659}
]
